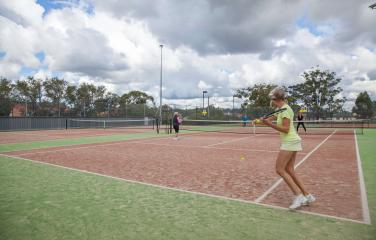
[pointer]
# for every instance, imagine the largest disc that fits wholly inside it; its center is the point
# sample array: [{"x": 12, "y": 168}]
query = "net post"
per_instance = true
[
  {"x": 104, "y": 124},
  {"x": 66, "y": 123},
  {"x": 170, "y": 129},
  {"x": 157, "y": 123}
]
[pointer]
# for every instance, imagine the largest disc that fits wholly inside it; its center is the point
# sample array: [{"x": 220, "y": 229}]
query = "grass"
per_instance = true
[{"x": 45, "y": 202}]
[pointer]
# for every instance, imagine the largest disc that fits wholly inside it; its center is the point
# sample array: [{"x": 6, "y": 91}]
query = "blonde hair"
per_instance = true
[{"x": 278, "y": 93}]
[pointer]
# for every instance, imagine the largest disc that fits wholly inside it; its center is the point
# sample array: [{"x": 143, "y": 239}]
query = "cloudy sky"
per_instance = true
[{"x": 213, "y": 45}]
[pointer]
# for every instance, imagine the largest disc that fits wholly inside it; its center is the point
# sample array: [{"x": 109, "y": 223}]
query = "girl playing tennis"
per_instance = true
[
  {"x": 290, "y": 145},
  {"x": 176, "y": 121}
]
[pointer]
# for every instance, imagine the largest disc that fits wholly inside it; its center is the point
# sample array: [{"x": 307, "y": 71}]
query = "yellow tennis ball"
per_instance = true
[
  {"x": 242, "y": 158},
  {"x": 258, "y": 121}
]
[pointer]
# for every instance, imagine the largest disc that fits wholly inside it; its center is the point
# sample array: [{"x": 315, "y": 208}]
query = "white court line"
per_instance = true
[
  {"x": 279, "y": 181},
  {"x": 185, "y": 191},
  {"x": 31, "y": 133},
  {"x": 224, "y": 142},
  {"x": 73, "y": 137},
  {"x": 88, "y": 145},
  {"x": 146, "y": 143},
  {"x": 218, "y": 148},
  {"x": 363, "y": 191},
  {"x": 211, "y": 146},
  {"x": 143, "y": 141}
]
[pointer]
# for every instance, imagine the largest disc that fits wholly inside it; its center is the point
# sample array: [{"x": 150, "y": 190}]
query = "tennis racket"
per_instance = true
[
  {"x": 274, "y": 112},
  {"x": 259, "y": 121}
]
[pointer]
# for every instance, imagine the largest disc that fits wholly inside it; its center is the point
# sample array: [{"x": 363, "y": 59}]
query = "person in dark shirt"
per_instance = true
[
  {"x": 245, "y": 119},
  {"x": 176, "y": 121},
  {"x": 300, "y": 122}
]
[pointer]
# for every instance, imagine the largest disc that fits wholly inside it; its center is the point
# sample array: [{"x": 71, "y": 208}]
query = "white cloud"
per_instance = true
[
  {"x": 207, "y": 46},
  {"x": 19, "y": 43},
  {"x": 22, "y": 12},
  {"x": 9, "y": 70},
  {"x": 203, "y": 86},
  {"x": 366, "y": 85}
]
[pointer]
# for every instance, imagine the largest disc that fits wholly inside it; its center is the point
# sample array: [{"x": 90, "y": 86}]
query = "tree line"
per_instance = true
[
  {"x": 319, "y": 93},
  {"x": 55, "y": 97}
]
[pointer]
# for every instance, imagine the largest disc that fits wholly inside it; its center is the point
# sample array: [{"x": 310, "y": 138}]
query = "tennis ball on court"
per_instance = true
[
  {"x": 258, "y": 121},
  {"x": 242, "y": 158}
]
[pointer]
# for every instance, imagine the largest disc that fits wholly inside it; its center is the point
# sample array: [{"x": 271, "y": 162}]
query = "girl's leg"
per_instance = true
[
  {"x": 176, "y": 132},
  {"x": 291, "y": 171},
  {"x": 283, "y": 159},
  {"x": 305, "y": 130}
]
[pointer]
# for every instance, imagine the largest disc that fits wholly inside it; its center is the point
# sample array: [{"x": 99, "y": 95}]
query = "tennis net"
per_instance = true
[
  {"x": 146, "y": 123},
  {"x": 245, "y": 127}
]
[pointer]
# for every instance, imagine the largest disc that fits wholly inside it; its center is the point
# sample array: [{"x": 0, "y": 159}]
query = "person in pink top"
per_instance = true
[{"x": 176, "y": 121}]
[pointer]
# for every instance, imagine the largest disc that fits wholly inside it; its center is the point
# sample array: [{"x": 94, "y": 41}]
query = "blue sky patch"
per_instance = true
[
  {"x": 304, "y": 22},
  {"x": 2, "y": 55},
  {"x": 41, "y": 56},
  {"x": 26, "y": 71},
  {"x": 48, "y": 5}
]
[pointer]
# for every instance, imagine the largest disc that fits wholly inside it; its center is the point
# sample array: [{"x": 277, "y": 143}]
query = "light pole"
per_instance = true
[
  {"x": 208, "y": 106},
  {"x": 233, "y": 103},
  {"x": 203, "y": 100},
  {"x": 108, "y": 108},
  {"x": 26, "y": 113},
  {"x": 160, "y": 89}
]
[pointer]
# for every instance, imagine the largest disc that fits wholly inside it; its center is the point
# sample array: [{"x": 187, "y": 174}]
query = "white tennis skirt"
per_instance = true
[{"x": 293, "y": 146}]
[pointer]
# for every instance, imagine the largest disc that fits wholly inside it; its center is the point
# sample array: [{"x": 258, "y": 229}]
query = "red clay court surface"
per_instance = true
[
  {"x": 227, "y": 165},
  {"x": 45, "y": 135}
]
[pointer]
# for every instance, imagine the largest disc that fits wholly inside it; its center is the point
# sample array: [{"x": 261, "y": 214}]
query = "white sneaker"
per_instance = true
[
  {"x": 310, "y": 199},
  {"x": 298, "y": 201}
]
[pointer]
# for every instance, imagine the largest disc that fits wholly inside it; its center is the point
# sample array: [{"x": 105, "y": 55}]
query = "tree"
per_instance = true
[
  {"x": 35, "y": 88},
  {"x": 55, "y": 90},
  {"x": 22, "y": 93},
  {"x": 136, "y": 97},
  {"x": 336, "y": 106},
  {"x": 29, "y": 91},
  {"x": 99, "y": 98},
  {"x": 256, "y": 100},
  {"x": 133, "y": 103},
  {"x": 256, "y": 96},
  {"x": 90, "y": 99},
  {"x": 6, "y": 88},
  {"x": 318, "y": 91},
  {"x": 84, "y": 98},
  {"x": 70, "y": 96},
  {"x": 363, "y": 106},
  {"x": 111, "y": 101}
]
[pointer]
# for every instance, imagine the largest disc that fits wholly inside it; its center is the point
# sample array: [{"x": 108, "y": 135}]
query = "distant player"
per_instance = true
[
  {"x": 176, "y": 121},
  {"x": 245, "y": 119},
  {"x": 300, "y": 122},
  {"x": 290, "y": 145}
]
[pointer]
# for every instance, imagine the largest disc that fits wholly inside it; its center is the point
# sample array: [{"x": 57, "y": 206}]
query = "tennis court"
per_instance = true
[
  {"x": 235, "y": 166},
  {"x": 78, "y": 128}
]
